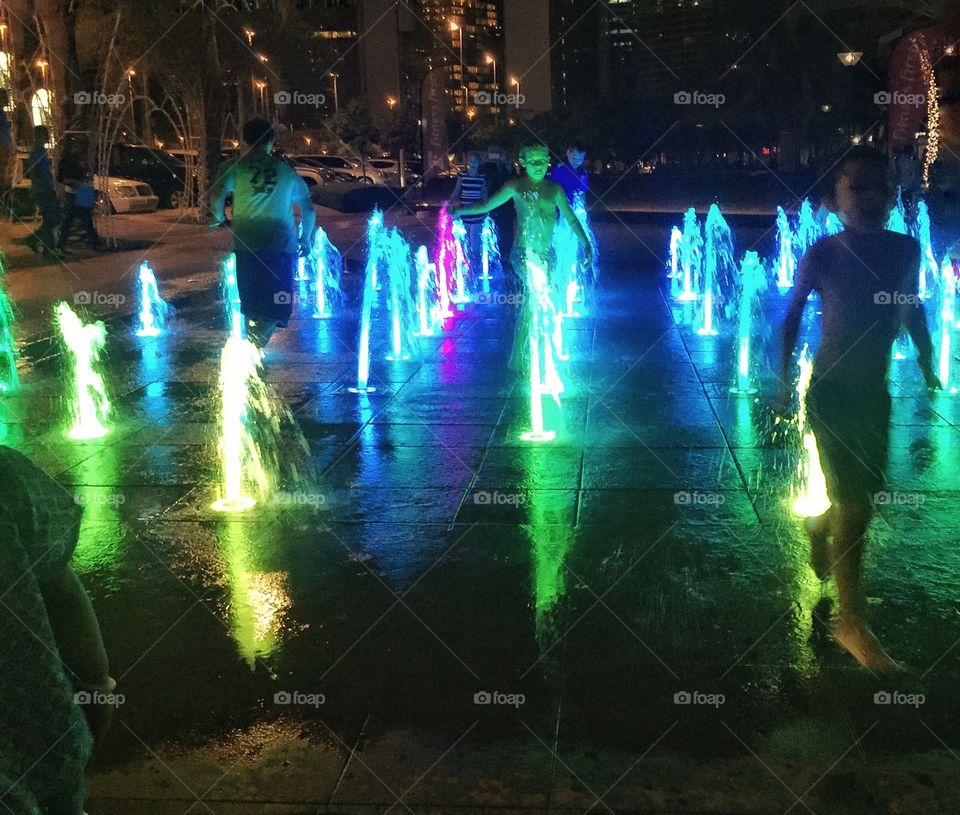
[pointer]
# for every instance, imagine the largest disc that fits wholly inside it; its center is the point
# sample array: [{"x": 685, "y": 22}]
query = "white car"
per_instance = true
[
  {"x": 390, "y": 168},
  {"x": 125, "y": 195},
  {"x": 341, "y": 164}
]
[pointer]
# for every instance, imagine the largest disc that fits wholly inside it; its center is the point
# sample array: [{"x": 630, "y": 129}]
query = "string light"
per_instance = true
[{"x": 933, "y": 113}]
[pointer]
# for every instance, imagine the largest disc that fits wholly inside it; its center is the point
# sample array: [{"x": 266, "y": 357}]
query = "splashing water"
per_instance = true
[
  {"x": 402, "y": 302},
  {"x": 231, "y": 295},
  {"x": 674, "y": 274},
  {"x": 810, "y": 488},
  {"x": 753, "y": 282},
  {"x": 327, "y": 266},
  {"x": 718, "y": 268},
  {"x": 544, "y": 378},
  {"x": 9, "y": 378},
  {"x": 462, "y": 265},
  {"x": 154, "y": 310},
  {"x": 90, "y": 407},
  {"x": 808, "y": 230},
  {"x": 691, "y": 256},
  {"x": 929, "y": 269},
  {"x": 786, "y": 260},
  {"x": 948, "y": 316},
  {"x": 490, "y": 254},
  {"x": 897, "y": 222}
]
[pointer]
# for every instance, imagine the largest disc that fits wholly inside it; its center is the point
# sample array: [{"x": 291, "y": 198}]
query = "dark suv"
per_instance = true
[{"x": 157, "y": 167}]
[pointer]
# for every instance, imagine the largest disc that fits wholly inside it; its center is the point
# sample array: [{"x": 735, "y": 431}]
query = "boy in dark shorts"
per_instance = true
[
  {"x": 265, "y": 191},
  {"x": 867, "y": 279}
]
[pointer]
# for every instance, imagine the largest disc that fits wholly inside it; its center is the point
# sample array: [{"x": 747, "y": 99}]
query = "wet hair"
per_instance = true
[
  {"x": 533, "y": 147},
  {"x": 258, "y": 131},
  {"x": 861, "y": 154}
]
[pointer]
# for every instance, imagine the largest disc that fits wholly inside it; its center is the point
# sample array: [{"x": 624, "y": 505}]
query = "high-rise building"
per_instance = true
[{"x": 466, "y": 36}]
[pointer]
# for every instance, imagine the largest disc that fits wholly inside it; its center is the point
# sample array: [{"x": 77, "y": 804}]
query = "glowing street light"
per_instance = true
[
  {"x": 336, "y": 96},
  {"x": 249, "y": 34},
  {"x": 391, "y": 102},
  {"x": 850, "y": 58},
  {"x": 493, "y": 62},
  {"x": 263, "y": 58},
  {"x": 42, "y": 64}
]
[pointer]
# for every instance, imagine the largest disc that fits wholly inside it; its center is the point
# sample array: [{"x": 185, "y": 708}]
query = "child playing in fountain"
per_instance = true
[
  {"x": 864, "y": 276},
  {"x": 540, "y": 204}
]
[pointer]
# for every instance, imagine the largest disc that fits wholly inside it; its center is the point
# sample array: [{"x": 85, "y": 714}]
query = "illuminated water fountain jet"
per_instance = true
[
  {"x": 244, "y": 476},
  {"x": 544, "y": 378},
  {"x": 718, "y": 266},
  {"x": 897, "y": 222},
  {"x": 929, "y": 268},
  {"x": 753, "y": 282},
  {"x": 786, "y": 260},
  {"x": 154, "y": 310},
  {"x": 446, "y": 260},
  {"x": 948, "y": 317},
  {"x": 327, "y": 267},
  {"x": 402, "y": 301},
  {"x": 461, "y": 265},
  {"x": 810, "y": 487},
  {"x": 428, "y": 311},
  {"x": 490, "y": 253},
  {"x": 691, "y": 256},
  {"x": 674, "y": 274},
  {"x": 9, "y": 378},
  {"x": 89, "y": 404},
  {"x": 808, "y": 230},
  {"x": 231, "y": 295}
]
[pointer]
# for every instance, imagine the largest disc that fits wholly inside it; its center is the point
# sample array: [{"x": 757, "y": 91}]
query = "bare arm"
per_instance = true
[
  {"x": 915, "y": 320},
  {"x": 803, "y": 285},
  {"x": 572, "y": 221},
  {"x": 504, "y": 194},
  {"x": 308, "y": 217},
  {"x": 218, "y": 195},
  {"x": 455, "y": 195},
  {"x": 75, "y": 628}
]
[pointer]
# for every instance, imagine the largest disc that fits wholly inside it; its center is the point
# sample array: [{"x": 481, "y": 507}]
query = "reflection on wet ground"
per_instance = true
[{"x": 636, "y": 589}]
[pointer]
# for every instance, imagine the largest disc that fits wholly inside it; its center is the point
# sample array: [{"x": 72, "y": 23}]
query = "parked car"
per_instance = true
[
  {"x": 158, "y": 168},
  {"x": 390, "y": 168},
  {"x": 341, "y": 164},
  {"x": 125, "y": 195}
]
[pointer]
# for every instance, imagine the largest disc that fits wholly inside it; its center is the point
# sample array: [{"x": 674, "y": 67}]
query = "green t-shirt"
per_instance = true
[{"x": 265, "y": 190}]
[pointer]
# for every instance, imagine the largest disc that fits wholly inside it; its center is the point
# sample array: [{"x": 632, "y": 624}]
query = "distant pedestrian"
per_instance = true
[{"x": 44, "y": 191}]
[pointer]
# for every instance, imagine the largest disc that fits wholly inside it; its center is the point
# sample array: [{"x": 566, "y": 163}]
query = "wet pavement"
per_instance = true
[{"x": 450, "y": 619}]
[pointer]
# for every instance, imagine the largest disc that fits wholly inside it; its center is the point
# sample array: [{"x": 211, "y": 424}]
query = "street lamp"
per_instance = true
[
  {"x": 261, "y": 88},
  {"x": 42, "y": 64},
  {"x": 248, "y": 33},
  {"x": 515, "y": 81},
  {"x": 850, "y": 58},
  {"x": 391, "y": 102},
  {"x": 493, "y": 62},
  {"x": 336, "y": 96}
]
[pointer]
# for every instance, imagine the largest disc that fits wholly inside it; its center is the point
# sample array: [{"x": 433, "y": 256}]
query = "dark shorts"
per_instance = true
[
  {"x": 265, "y": 282},
  {"x": 852, "y": 427}
]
